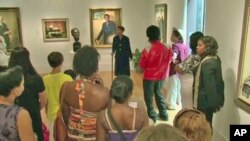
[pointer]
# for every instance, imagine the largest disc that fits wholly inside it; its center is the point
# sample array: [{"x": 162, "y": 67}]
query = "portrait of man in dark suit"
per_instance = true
[{"x": 108, "y": 29}]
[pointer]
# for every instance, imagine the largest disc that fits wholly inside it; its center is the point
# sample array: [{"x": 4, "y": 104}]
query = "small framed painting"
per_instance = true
[{"x": 55, "y": 30}]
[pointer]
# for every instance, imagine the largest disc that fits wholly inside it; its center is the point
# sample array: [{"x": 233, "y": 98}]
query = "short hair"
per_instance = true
[
  {"x": 106, "y": 15},
  {"x": 121, "y": 88},
  {"x": 121, "y": 28},
  {"x": 160, "y": 132},
  {"x": 71, "y": 73},
  {"x": 85, "y": 61},
  {"x": 9, "y": 79},
  {"x": 210, "y": 44},
  {"x": 55, "y": 59},
  {"x": 153, "y": 33},
  {"x": 20, "y": 56},
  {"x": 194, "y": 39},
  {"x": 194, "y": 124},
  {"x": 177, "y": 34}
]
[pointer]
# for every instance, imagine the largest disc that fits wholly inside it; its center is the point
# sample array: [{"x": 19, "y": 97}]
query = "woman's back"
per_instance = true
[
  {"x": 8, "y": 122},
  {"x": 130, "y": 120},
  {"x": 81, "y": 120}
]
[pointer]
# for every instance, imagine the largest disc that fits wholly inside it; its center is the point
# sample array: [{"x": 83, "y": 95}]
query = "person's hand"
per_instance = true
[
  {"x": 96, "y": 41},
  {"x": 96, "y": 78},
  {"x": 176, "y": 61}
]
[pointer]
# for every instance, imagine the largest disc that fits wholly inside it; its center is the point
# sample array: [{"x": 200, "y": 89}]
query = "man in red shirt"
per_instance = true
[{"x": 155, "y": 61}]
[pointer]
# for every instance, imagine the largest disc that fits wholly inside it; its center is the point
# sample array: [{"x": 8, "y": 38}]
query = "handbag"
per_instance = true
[
  {"x": 45, "y": 132},
  {"x": 60, "y": 129}
]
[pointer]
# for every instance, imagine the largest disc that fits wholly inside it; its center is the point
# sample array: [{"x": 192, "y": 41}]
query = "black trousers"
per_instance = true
[{"x": 153, "y": 89}]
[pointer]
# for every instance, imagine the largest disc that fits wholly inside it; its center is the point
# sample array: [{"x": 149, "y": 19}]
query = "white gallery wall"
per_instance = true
[
  {"x": 136, "y": 16},
  {"x": 224, "y": 19},
  {"x": 176, "y": 16}
]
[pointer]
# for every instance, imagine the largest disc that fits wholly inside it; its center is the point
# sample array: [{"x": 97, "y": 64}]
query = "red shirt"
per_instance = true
[{"x": 155, "y": 61}]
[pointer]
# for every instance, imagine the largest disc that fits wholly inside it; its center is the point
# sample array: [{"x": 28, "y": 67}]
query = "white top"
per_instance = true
[{"x": 4, "y": 59}]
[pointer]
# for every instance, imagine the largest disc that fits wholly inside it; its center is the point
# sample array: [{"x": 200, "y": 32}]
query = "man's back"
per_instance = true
[{"x": 155, "y": 61}]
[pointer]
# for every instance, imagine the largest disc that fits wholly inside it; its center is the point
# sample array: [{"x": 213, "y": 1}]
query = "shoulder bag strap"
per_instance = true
[{"x": 117, "y": 127}]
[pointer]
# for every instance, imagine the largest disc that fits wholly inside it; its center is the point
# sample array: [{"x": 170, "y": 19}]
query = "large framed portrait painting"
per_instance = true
[
  {"x": 10, "y": 29},
  {"x": 55, "y": 29},
  {"x": 161, "y": 20},
  {"x": 103, "y": 24},
  {"x": 243, "y": 82}
]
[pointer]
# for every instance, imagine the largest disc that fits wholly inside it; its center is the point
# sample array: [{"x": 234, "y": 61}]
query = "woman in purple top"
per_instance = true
[
  {"x": 173, "y": 83},
  {"x": 122, "y": 121}
]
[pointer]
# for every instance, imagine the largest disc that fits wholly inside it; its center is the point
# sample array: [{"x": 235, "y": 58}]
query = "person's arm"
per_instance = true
[
  {"x": 145, "y": 122},
  {"x": 43, "y": 99},
  {"x": 40, "y": 87},
  {"x": 178, "y": 69},
  {"x": 129, "y": 49},
  {"x": 7, "y": 32},
  {"x": 114, "y": 46},
  {"x": 24, "y": 126},
  {"x": 100, "y": 130},
  {"x": 144, "y": 59},
  {"x": 113, "y": 27},
  {"x": 100, "y": 33},
  {"x": 175, "y": 53}
]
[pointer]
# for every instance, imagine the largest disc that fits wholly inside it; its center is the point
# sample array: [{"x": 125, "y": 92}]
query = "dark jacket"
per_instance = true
[
  {"x": 121, "y": 48},
  {"x": 211, "y": 87}
]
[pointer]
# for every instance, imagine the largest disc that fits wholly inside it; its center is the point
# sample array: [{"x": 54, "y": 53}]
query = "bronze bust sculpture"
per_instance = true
[{"x": 76, "y": 34}]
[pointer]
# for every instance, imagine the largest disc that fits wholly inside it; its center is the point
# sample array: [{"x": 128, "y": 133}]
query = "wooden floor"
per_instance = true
[{"x": 186, "y": 81}]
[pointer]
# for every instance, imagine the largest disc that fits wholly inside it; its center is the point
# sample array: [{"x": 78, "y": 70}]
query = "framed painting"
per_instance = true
[
  {"x": 161, "y": 20},
  {"x": 10, "y": 29},
  {"x": 243, "y": 79},
  {"x": 55, "y": 30},
  {"x": 103, "y": 24}
]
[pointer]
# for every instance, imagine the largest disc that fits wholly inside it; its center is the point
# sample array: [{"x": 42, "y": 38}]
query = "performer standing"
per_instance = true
[{"x": 122, "y": 50}]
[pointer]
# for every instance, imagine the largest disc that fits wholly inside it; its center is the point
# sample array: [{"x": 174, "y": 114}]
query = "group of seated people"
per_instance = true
[{"x": 86, "y": 108}]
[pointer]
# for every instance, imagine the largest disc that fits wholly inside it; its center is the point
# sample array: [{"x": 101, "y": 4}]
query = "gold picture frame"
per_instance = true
[
  {"x": 97, "y": 32},
  {"x": 55, "y": 30},
  {"x": 243, "y": 79}
]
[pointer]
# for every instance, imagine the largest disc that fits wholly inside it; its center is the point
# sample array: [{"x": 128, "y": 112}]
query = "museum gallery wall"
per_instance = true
[{"x": 134, "y": 16}]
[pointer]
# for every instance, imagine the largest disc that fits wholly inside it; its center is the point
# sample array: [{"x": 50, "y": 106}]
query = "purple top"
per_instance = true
[
  {"x": 113, "y": 134},
  {"x": 8, "y": 122},
  {"x": 129, "y": 135},
  {"x": 182, "y": 53}
]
